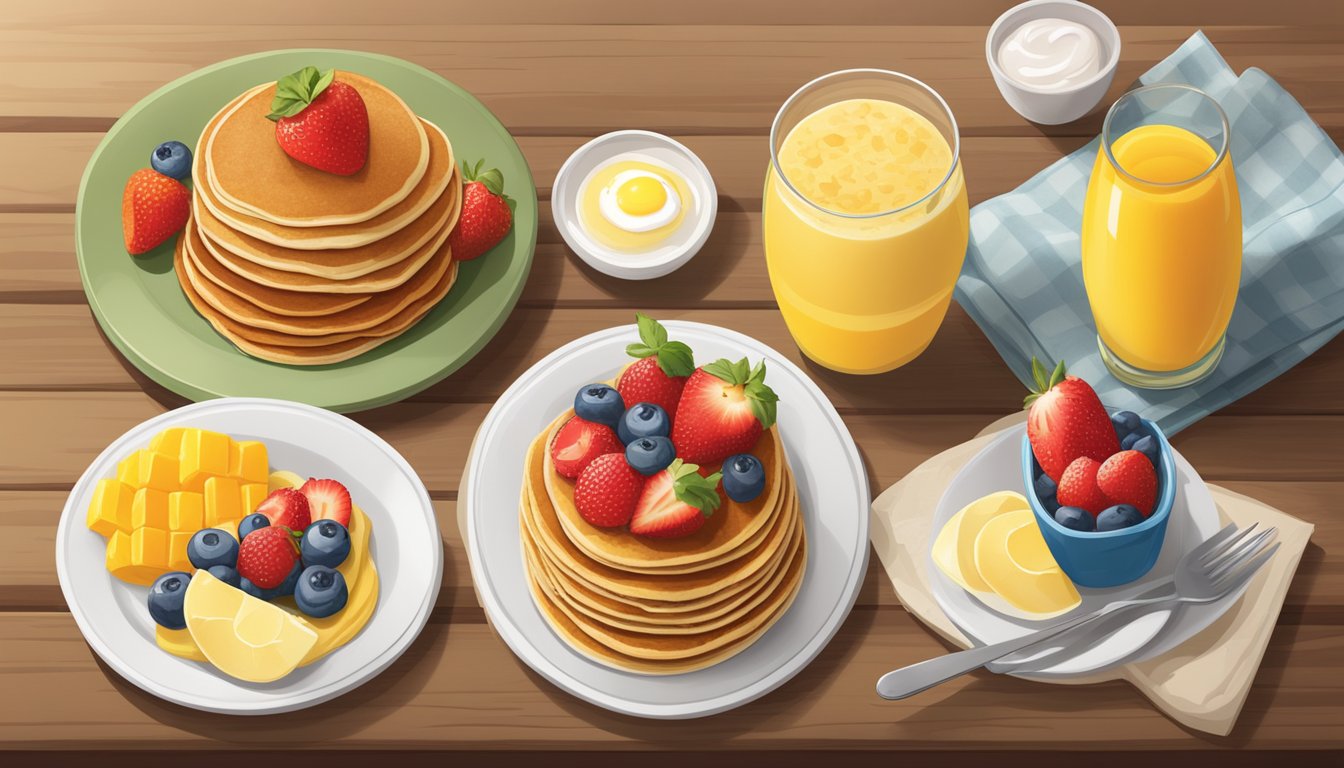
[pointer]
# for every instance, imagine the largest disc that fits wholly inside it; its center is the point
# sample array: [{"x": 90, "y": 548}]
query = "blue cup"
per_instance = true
[{"x": 1107, "y": 558}]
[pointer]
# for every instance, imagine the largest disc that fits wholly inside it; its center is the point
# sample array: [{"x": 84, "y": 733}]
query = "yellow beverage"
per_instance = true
[
  {"x": 1161, "y": 253},
  {"x": 865, "y": 240}
]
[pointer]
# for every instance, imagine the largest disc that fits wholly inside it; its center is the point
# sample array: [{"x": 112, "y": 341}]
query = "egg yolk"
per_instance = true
[{"x": 641, "y": 196}]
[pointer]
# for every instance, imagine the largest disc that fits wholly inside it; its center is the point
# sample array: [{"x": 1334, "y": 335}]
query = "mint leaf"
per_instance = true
[
  {"x": 651, "y": 332},
  {"x": 295, "y": 91},
  {"x": 639, "y": 350},
  {"x": 676, "y": 359}
]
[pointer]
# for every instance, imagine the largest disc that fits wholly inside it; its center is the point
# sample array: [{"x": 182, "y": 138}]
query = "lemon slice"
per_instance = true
[
  {"x": 954, "y": 549},
  {"x": 1012, "y": 556},
  {"x": 244, "y": 637},
  {"x": 283, "y": 478}
]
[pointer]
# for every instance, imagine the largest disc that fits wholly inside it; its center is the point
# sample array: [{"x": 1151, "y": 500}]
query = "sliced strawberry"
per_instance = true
[
  {"x": 607, "y": 490},
  {"x": 659, "y": 375},
  {"x": 327, "y": 500},
  {"x": 676, "y": 502},
  {"x": 580, "y": 441},
  {"x": 1078, "y": 486},
  {"x": 1066, "y": 421},
  {"x": 723, "y": 410},
  {"x": 287, "y": 507}
]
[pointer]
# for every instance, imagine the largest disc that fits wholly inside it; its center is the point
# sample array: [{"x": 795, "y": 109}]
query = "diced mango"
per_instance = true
[
  {"x": 149, "y": 549},
  {"x": 186, "y": 512},
  {"x": 248, "y": 462},
  {"x": 223, "y": 501},
  {"x": 149, "y": 509},
  {"x": 110, "y": 510},
  {"x": 128, "y": 470},
  {"x": 157, "y": 471},
  {"x": 120, "y": 561},
  {"x": 204, "y": 454},
  {"x": 168, "y": 442},
  {"x": 253, "y": 495},
  {"x": 177, "y": 551}
]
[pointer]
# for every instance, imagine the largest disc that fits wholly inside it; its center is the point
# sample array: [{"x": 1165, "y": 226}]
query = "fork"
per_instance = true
[{"x": 1210, "y": 571}]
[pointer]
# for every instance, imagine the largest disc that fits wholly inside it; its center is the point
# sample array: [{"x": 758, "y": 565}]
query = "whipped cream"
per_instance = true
[{"x": 1051, "y": 54}]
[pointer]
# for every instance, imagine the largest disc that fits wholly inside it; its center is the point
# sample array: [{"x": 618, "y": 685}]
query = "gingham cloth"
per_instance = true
[{"x": 1023, "y": 283}]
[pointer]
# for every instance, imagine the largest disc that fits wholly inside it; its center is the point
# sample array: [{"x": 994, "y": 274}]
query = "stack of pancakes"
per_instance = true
[
  {"x": 662, "y": 606},
  {"x": 296, "y": 265}
]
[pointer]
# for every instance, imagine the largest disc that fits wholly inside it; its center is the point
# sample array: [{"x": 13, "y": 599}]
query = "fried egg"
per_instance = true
[{"x": 632, "y": 205}]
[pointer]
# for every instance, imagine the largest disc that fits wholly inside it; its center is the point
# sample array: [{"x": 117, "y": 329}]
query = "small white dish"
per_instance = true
[
  {"x": 312, "y": 442},
  {"x": 655, "y": 149},
  {"x": 1194, "y": 518},
  {"x": 832, "y": 485},
  {"x": 1054, "y": 107}
]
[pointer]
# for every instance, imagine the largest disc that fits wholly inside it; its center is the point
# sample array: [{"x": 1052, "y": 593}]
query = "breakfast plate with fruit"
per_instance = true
[
  {"x": 665, "y": 520},
  {"x": 1057, "y": 518},
  {"x": 255, "y": 226},
  {"x": 249, "y": 556}
]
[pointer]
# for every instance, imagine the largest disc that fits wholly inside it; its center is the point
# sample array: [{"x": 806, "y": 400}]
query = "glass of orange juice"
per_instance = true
[
  {"x": 1161, "y": 237},
  {"x": 865, "y": 217}
]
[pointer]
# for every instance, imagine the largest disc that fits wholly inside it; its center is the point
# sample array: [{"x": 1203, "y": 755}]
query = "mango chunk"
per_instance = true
[
  {"x": 186, "y": 511},
  {"x": 223, "y": 501},
  {"x": 110, "y": 510},
  {"x": 149, "y": 509},
  {"x": 168, "y": 442},
  {"x": 128, "y": 470},
  {"x": 149, "y": 549},
  {"x": 253, "y": 495},
  {"x": 120, "y": 561},
  {"x": 204, "y": 454},
  {"x": 157, "y": 471},
  {"x": 248, "y": 461},
  {"x": 177, "y": 551}
]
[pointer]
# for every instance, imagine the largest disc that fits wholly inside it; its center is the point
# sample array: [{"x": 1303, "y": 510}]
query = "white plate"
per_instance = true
[
  {"x": 312, "y": 442},
  {"x": 655, "y": 149},
  {"x": 833, "y": 490},
  {"x": 1194, "y": 518}
]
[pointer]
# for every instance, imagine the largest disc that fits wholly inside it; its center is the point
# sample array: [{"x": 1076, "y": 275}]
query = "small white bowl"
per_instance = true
[
  {"x": 1062, "y": 106},
  {"x": 653, "y": 148}
]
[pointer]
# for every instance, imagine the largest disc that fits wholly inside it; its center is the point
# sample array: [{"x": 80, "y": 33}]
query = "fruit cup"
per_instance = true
[{"x": 1107, "y": 558}]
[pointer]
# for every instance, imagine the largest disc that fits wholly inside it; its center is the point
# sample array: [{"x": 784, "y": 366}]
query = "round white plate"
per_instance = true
[
  {"x": 832, "y": 487},
  {"x": 311, "y": 442},
  {"x": 1194, "y": 518},
  {"x": 655, "y": 149}
]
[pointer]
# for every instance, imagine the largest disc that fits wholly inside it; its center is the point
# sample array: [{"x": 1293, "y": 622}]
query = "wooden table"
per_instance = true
[{"x": 711, "y": 73}]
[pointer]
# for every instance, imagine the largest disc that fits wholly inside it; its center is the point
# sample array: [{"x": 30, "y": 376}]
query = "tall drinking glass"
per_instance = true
[
  {"x": 865, "y": 217},
  {"x": 1161, "y": 237}
]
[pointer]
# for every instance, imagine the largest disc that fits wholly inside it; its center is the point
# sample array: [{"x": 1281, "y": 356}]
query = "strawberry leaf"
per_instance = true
[
  {"x": 295, "y": 91},
  {"x": 722, "y": 369},
  {"x": 674, "y": 357},
  {"x": 1058, "y": 375},
  {"x": 1044, "y": 381},
  {"x": 651, "y": 332},
  {"x": 763, "y": 398},
  {"x": 690, "y": 488},
  {"x": 1038, "y": 374}
]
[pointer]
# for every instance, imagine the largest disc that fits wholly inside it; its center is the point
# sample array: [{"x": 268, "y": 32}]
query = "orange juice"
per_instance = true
[
  {"x": 865, "y": 242},
  {"x": 1161, "y": 248}
]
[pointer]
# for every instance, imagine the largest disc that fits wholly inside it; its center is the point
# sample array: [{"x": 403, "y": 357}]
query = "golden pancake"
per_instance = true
[
  {"x": 336, "y": 238},
  {"x": 365, "y": 318},
  {"x": 730, "y": 527},
  {"x": 252, "y": 175},
  {"x": 315, "y": 355},
  {"x": 612, "y": 581},
  {"x": 276, "y": 300},
  {"x": 663, "y": 647}
]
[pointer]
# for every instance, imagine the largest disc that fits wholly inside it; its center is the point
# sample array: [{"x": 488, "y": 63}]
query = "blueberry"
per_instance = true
[
  {"x": 599, "y": 404},
  {"x": 1128, "y": 441},
  {"x": 321, "y": 591},
  {"x": 171, "y": 158},
  {"x": 291, "y": 581},
  {"x": 165, "y": 599},
  {"x": 258, "y": 592},
  {"x": 251, "y": 523},
  {"x": 1147, "y": 445},
  {"x": 1125, "y": 422},
  {"x": 643, "y": 420},
  {"x": 1119, "y": 516},
  {"x": 210, "y": 547},
  {"x": 1051, "y": 505},
  {"x": 1045, "y": 487},
  {"x": 325, "y": 542},
  {"x": 743, "y": 477},
  {"x": 225, "y": 573},
  {"x": 650, "y": 455},
  {"x": 1075, "y": 517}
]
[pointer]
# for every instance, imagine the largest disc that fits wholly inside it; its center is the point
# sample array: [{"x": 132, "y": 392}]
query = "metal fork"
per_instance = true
[{"x": 1212, "y": 570}]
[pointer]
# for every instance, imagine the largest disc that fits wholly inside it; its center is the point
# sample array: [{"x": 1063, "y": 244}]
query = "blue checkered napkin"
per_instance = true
[{"x": 1023, "y": 283}]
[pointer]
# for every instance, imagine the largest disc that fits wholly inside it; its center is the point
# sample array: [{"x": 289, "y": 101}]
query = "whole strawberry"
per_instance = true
[
  {"x": 486, "y": 213},
  {"x": 659, "y": 374},
  {"x": 1078, "y": 486},
  {"x": 1128, "y": 478},
  {"x": 1066, "y": 421},
  {"x": 607, "y": 490},
  {"x": 676, "y": 502},
  {"x": 321, "y": 122},
  {"x": 267, "y": 555},
  {"x": 154, "y": 207},
  {"x": 723, "y": 409}
]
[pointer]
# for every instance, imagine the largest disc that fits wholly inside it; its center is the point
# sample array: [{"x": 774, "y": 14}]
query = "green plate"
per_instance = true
[{"x": 140, "y": 305}]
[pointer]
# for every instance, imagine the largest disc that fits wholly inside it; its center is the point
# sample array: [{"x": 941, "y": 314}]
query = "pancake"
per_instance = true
[
  {"x": 252, "y": 175},
  {"x": 336, "y": 238},
  {"x": 292, "y": 355},
  {"x": 366, "y": 318},
  {"x": 728, "y": 529}
]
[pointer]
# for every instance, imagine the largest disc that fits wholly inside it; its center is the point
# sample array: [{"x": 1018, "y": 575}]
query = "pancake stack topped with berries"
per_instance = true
[{"x": 659, "y": 517}]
